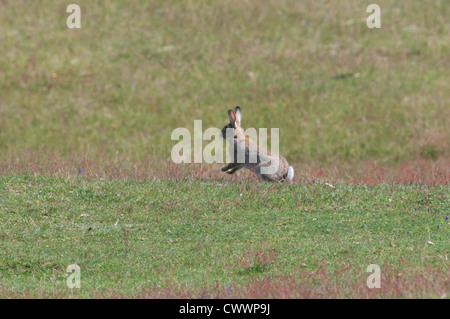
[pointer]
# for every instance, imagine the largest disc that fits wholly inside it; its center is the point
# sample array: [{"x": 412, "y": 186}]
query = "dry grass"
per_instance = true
[
  {"x": 419, "y": 171},
  {"x": 319, "y": 284},
  {"x": 347, "y": 282}
]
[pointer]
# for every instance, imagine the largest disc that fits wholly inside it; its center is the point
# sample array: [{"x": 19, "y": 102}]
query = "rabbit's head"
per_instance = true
[{"x": 235, "y": 124}]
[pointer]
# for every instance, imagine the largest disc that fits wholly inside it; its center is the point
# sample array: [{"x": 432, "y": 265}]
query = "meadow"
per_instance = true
[
  {"x": 189, "y": 238},
  {"x": 86, "y": 178}
]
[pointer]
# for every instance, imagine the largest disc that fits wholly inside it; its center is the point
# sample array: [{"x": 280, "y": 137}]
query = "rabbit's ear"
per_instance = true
[
  {"x": 232, "y": 116},
  {"x": 238, "y": 113}
]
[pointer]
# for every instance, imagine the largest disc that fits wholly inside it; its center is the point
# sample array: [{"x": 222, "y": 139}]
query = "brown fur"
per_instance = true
[{"x": 264, "y": 157}]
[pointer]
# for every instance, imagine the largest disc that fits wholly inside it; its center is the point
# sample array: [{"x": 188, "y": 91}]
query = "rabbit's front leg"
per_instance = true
[
  {"x": 226, "y": 168},
  {"x": 234, "y": 169}
]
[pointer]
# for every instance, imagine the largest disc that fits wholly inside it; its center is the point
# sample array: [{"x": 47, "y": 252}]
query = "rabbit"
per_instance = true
[{"x": 256, "y": 157}]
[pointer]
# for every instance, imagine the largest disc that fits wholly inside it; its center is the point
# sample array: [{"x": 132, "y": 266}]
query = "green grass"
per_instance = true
[
  {"x": 193, "y": 232},
  {"x": 136, "y": 71}
]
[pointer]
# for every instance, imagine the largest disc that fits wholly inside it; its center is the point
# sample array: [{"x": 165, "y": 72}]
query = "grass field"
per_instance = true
[
  {"x": 86, "y": 117},
  {"x": 127, "y": 236},
  {"x": 135, "y": 71}
]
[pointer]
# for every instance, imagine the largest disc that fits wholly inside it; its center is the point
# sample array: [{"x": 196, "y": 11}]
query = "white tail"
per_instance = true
[{"x": 290, "y": 174}]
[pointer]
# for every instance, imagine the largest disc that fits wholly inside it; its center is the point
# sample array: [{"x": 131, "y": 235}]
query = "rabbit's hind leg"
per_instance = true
[{"x": 265, "y": 177}]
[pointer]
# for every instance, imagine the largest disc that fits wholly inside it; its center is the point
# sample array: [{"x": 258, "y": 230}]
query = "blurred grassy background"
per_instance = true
[{"x": 339, "y": 91}]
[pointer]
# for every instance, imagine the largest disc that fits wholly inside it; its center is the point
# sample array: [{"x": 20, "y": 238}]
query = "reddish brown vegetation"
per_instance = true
[
  {"x": 418, "y": 171},
  {"x": 260, "y": 256},
  {"x": 347, "y": 282}
]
